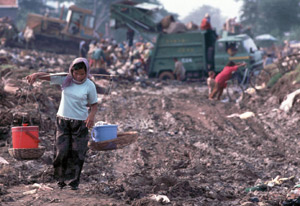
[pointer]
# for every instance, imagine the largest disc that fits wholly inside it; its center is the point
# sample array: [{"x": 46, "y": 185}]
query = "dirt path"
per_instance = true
[{"x": 188, "y": 149}]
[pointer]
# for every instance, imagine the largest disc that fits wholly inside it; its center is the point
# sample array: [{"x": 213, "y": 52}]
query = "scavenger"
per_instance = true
[
  {"x": 223, "y": 77},
  {"x": 72, "y": 121}
]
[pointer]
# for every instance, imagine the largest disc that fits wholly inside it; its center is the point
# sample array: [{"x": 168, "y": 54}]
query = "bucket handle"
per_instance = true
[
  {"x": 32, "y": 136},
  {"x": 93, "y": 134}
]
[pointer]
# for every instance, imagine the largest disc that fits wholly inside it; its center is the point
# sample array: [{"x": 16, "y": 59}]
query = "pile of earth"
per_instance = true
[{"x": 191, "y": 150}]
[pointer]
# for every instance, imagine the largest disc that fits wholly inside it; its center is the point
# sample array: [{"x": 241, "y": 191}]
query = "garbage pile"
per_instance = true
[
  {"x": 170, "y": 26},
  {"x": 8, "y": 30},
  {"x": 121, "y": 60}
]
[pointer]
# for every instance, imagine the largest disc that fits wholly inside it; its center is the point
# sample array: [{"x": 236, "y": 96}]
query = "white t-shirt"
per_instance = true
[{"x": 75, "y": 98}]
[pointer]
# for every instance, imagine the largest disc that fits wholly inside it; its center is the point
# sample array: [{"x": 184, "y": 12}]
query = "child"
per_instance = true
[
  {"x": 210, "y": 81},
  {"x": 223, "y": 77},
  {"x": 179, "y": 71},
  {"x": 73, "y": 119}
]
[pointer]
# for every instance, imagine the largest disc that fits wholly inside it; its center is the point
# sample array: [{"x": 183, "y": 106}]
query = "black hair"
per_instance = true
[
  {"x": 175, "y": 59},
  {"x": 80, "y": 65},
  {"x": 230, "y": 64}
]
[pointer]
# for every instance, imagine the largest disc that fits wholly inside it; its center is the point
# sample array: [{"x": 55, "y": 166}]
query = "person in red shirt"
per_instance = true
[
  {"x": 205, "y": 23},
  {"x": 223, "y": 77}
]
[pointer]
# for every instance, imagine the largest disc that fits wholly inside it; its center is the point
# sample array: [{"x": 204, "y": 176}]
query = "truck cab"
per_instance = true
[
  {"x": 237, "y": 48},
  {"x": 80, "y": 23}
]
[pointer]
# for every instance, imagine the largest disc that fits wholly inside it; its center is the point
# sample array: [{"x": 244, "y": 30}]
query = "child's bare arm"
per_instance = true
[
  {"x": 90, "y": 121},
  {"x": 38, "y": 75},
  {"x": 241, "y": 64}
]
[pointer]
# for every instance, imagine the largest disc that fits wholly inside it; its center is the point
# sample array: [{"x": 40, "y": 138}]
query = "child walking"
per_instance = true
[
  {"x": 72, "y": 121},
  {"x": 223, "y": 77}
]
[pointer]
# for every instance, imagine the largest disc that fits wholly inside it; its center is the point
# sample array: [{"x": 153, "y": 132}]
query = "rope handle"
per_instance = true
[{"x": 23, "y": 116}]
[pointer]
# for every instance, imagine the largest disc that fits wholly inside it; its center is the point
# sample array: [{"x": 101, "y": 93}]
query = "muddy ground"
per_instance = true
[{"x": 188, "y": 148}]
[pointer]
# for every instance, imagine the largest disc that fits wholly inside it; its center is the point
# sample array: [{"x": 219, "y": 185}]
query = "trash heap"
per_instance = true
[
  {"x": 121, "y": 60},
  {"x": 8, "y": 30},
  {"x": 170, "y": 26}
]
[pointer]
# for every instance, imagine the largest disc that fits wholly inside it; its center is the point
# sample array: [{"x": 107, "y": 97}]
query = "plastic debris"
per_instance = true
[
  {"x": 30, "y": 192},
  {"x": 160, "y": 198},
  {"x": 287, "y": 104},
  {"x": 40, "y": 187},
  {"x": 3, "y": 161},
  {"x": 245, "y": 115},
  {"x": 262, "y": 187},
  {"x": 277, "y": 181}
]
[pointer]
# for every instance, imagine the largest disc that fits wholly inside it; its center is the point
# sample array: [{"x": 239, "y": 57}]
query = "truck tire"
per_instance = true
[{"x": 166, "y": 76}]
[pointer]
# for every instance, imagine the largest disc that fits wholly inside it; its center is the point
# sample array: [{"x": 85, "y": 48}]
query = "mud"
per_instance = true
[{"x": 188, "y": 148}]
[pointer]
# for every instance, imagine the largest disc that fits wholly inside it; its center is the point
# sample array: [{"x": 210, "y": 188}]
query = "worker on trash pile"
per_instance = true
[
  {"x": 205, "y": 23},
  {"x": 98, "y": 57},
  {"x": 286, "y": 49},
  {"x": 223, "y": 77},
  {"x": 82, "y": 49},
  {"x": 130, "y": 36},
  {"x": 92, "y": 47},
  {"x": 179, "y": 71},
  {"x": 268, "y": 60},
  {"x": 210, "y": 81},
  {"x": 72, "y": 120}
]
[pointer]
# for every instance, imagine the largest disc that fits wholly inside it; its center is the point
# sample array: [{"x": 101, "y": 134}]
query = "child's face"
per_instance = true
[
  {"x": 79, "y": 74},
  {"x": 212, "y": 75}
]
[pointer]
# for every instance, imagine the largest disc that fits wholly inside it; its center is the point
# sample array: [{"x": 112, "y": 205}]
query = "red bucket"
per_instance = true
[{"x": 25, "y": 137}]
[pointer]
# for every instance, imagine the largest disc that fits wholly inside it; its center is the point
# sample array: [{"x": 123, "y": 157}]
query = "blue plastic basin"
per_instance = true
[{"x": 104, "y": 132}]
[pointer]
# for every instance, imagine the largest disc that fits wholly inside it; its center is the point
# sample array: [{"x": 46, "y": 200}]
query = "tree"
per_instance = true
[
  {"x": 29, "y": 6},
  {"x": 270, "y": 16}
]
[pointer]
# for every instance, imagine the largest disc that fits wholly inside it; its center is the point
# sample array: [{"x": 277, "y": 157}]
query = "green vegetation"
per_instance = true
[
  {"x": 274, "y": 79},
  {"x": 276, "y": 17}
]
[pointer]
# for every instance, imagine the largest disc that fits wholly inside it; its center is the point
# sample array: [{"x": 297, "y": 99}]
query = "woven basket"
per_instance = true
[
  {"x": 123, "y": 139},
  {"x": 26, "y": 153}
]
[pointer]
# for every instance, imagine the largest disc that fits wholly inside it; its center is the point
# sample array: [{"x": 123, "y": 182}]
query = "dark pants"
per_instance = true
[{"x": 70, "y": 149}]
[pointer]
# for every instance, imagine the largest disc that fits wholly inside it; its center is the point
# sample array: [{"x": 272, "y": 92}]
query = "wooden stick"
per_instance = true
[
  {"x": 105, "y": 75},
  {"x": 65, "y": 74}
]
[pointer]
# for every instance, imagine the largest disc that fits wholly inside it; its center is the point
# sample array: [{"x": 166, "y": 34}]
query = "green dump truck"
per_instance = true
[{"x": 199, "y": 51}]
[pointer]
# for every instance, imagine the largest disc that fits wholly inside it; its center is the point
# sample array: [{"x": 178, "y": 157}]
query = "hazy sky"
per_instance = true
[{"x": 229, "y": 8}]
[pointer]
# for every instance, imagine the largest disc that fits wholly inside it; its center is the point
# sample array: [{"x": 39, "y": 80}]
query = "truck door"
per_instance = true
[
  {"x": 221, "y": 56},
  {"x": 80, "y": 24}
]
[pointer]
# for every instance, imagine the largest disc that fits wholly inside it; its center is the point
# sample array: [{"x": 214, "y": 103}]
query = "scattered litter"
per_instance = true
[
  {"x": 278, "y": 181},
  {"x": 40, "y": 187},
  {"x": 30, "y": 192},
  {"x": 245, "y": 115},
  {"x": 254, "y": 199},
  {"x": 3, "y": 161},
  {"x": 250, "y": 90},
  {"x": 247, "y": 204},
  {"x": 268, "y": 184},
  {"x": 261, "y": 187},
  {"x": 287, "y": 104},
  {"x": 160, "y": 198}
]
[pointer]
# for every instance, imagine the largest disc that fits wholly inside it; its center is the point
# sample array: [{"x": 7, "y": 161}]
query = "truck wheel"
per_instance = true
[{"x": 166, "y": 76}]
